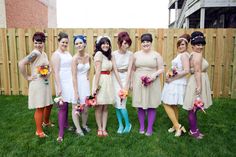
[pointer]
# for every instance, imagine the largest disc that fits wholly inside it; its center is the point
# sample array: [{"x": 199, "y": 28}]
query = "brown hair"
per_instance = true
[{"x": 185, "y": 38}]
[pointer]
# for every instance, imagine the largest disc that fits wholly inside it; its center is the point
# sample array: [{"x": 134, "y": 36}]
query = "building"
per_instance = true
[
  {"x": 28, "y": 14},
  {"x": 203, "y": 13}
]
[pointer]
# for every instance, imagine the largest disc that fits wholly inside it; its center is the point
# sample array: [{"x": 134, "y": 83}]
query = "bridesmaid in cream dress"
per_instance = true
[
  {"x": 147, "y": 98},
  {"x": 198, "y": 84},
  {"x": 103, "y": 79}
]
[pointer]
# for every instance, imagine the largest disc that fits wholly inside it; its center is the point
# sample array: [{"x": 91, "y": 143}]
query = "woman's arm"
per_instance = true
[
  {"x": 160, "y": 67},
  {"x": 129, "y": 72},
  {"x": 74, "y": 76},
  {"x": 116, "y": 71},
  {"x": 55, "y": 62},
  {"x": 98, "y": 67},
  {"x": 197, "y": 64},
  {"x": 133, "y": 68},
  {"x": 88, "y": 74}
]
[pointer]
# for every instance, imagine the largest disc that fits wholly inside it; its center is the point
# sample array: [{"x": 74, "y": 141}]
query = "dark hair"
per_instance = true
[
  {"x": 98, "y": 45},
  {"x": 39, "y": 36},
  {"x": 62, "y": 35},
  {"x": 123, "y": 36},
  {"x": 197, "y": 38},
  {"x": 185, "y": 38},
  {"x": 146, "y": 37}
]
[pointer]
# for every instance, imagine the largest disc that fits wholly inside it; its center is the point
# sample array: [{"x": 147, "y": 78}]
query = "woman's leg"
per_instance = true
[
  {"x": 46, "y": 114},
  {"x": 128, "y": 126},
  {"x": 85, "y": 118},
  {"x": 151, "y": 118},
  {"x": 104, "y": 117},
  {"x": 38, "y": 117},
  {"x": 119, "y": 118},
  {"x": 176, "y": 110},
  {"x": 62, "y": 118},
  {"x": 98, "y": 116},
  {"x": 66, "y": 125},
  {"x": 141, "y": 118},
  {"x": 75, "y": 118},
  {"x": 171, "y": 114}
]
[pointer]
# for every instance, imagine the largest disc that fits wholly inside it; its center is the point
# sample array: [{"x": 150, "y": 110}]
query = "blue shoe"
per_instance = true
[
  {"x": 127, "y": 129},
  {"x": 120, "y": 129}
]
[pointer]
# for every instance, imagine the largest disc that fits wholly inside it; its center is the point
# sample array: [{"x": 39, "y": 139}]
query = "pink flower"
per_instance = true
[
  {"x": 79, "y": 108},
  {"x": 91, "y": 100},
  {"x": 146, "y": 81},
  {"x": 198, "y": 104},
  {"x": 172, "y": 72},
  {"x": 122, "y": 94}
]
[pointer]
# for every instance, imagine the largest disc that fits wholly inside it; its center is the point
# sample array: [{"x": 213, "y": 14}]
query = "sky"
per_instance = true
[{"x": 112, "y": 13}]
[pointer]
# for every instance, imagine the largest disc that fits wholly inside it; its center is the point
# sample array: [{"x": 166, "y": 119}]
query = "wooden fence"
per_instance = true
[{"x": 220, "y": 52}]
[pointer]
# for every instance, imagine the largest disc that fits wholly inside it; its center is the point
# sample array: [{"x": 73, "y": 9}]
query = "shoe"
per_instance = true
[
  {"x": 127, "y": 129},
  {"x": 170, "y": 130},
  {"x": 179, "y": 131},
  {"x": 70, "y": 128},
  {"x": 120, "y": 129},
  {"x": 59, "y": 139},
  {"x": 104, "y": 133},
  {"x": 148, "y": 134},
  {"x": 201, "y": 134},
  {"x": 141, "y": 132},
  {"x": 99, "y": 133},
  {"x": 50, "y": 124},
  {"x": 86, "y": 129},
  {"x": 79, "y": 133},
  {"x": 195, "y": 134},
  {"x": 41, "y": 135}
]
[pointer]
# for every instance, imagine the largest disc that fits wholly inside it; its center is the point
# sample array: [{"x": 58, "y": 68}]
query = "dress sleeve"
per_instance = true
[{"x": 98, "y": 56}]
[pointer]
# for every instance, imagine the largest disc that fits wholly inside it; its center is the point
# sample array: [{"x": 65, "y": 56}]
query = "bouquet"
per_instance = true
[
  {"x": 172, "y": 72},
  {"x": 122, "y": 94},
  {"x": 146, "y": 81},
  {"x": 79, "y": 108},
  {"x": 198, "y": 104},
  {"x": 43, "y": 71},
  {"x": 91, "y": 100},
  {"x": 59, "y": 100}
]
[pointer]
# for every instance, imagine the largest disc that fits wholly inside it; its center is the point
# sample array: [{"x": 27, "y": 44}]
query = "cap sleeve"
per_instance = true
[{"x": 98, "y": 56}]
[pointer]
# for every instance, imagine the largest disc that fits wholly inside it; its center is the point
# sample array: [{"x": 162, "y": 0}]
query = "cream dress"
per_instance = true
[
  {"x": 150, "y": 96},
  {"x": 106, "y": 93},
  {"x": 191, "y": 87},
  {"x": 40, "y": 94}
]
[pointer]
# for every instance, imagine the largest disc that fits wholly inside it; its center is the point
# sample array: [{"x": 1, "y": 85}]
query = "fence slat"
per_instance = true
[{"x": 233, "y": 93}]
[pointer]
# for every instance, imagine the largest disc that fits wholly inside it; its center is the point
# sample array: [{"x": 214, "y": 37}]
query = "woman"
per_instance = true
[
  {"x": 102, "y": 80},
  {"x": 122, "y": 63},
  {"x": 80, "y": 75},
  {"x": 61, "y": 63},
  {"x": 149, "y": 64},
  {"x": 198, "y": 84},
  {"x": 174, "y": 88},
  {"x": 40, "y": 97}
]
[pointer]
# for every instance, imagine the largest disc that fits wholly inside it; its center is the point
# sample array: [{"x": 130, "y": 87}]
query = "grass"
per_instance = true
[{"x": 17, "y": 137}]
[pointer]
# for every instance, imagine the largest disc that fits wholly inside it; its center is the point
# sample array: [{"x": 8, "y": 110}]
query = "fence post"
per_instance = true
[{"x": 233, "y": 90}]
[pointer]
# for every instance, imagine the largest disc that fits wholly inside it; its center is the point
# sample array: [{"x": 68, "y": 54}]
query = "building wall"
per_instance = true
[
  {"x": 26, "y": 14},
  {"x": 2, "y": 14}
]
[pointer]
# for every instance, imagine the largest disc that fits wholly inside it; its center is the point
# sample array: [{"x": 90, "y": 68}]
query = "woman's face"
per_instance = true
[
  {"x": 79, "y": 44},
  {"x": 38, "y": 45},
  {"x": 198, "y": 48},
  {"x": 146, "y": 46},
  {"x": 182, "y": 47},
  {"x": 124, "y": 46},
  {"x": 63, "y": 44},
  {"x": 105, "y": 46}
]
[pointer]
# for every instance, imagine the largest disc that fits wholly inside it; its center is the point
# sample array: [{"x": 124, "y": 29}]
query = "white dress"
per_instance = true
[
  {"x": 122, "y": 63},
  {"x": 173, "y": 92},
  {"x": 83, "y": 82},
  {"x": 65, "y": 75}
]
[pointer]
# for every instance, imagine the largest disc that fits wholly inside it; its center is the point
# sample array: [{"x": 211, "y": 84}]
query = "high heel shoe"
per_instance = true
[
  {"x": 195, "y": 134},
  {"x": 179, "y": 131},
  {"x": 172, "y": 129}
]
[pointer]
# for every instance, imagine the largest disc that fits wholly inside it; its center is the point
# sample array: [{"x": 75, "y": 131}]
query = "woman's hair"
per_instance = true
[
  {"x": 197, "y": 38},
  {"x": 185, "y": 38},
  {"x": 146, "y": 37},
  {"x": 39, "y": 36},
  {"x": 62, "y": 35},
  {"x": 98, "y": 45},
  {"x": 123, "y": 36},
  {"x": 82, "y": 37}
]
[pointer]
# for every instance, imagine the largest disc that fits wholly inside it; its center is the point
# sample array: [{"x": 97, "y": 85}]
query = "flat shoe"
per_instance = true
[{"x": 41, "y": 135}]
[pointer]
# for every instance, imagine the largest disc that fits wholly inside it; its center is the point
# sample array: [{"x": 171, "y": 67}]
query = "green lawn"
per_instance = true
[{"x": 17, "y": 137}]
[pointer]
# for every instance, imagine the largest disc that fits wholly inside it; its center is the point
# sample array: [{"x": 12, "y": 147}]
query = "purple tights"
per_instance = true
[
  {"x": 63, "y": 118},
  {"x": 151, "y": 118}
]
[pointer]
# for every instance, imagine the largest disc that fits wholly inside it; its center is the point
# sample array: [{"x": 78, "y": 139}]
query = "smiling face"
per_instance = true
[
  {"x": 105, "y": 46},
  {"x": 124, "y": 46},
  {"x": 79, "y": 44},
  {"x": 146, "y": 46},
  {"x": 182, "y": 47},
  {"x": 39, "y": 45},
  {"x": 198, "y": 48},
  {"x": 63, "y": 44}
]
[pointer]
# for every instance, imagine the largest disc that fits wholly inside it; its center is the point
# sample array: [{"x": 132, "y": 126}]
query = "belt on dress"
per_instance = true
[
  {"x": 122, "y": 70},
  {"x": 105, "y": 72}
]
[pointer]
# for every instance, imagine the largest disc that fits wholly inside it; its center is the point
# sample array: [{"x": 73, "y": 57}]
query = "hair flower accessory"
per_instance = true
[{"x": 100, "y": 37}]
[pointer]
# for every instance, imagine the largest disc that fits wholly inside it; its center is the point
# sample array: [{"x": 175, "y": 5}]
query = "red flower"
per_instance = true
[
  {"x": 91, "y": 100},
  {"x": 146, "y": 81},
  {"x": 172, "y": 72},
  {"x": 198, "y": 104}
]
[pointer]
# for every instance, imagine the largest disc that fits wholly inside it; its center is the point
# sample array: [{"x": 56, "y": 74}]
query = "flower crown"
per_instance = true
[{"x": 100, "y": 37}]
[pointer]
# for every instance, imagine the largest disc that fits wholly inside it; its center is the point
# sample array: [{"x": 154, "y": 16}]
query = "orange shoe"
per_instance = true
[{"x": 41, "y": 135}]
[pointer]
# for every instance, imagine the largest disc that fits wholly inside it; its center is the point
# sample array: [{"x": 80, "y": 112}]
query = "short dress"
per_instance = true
[
  {"x": 122, "y": 64},
  {"x": 65, "y": 75},
  {"x": 191, "y": 87},
  {"x": 83, "y": 82},
  {"x": 150, "y": 96},
  {"x": 106, "y": 93},
  {"x": 40, "y": 94},
  {"x": 173, "y": 93}
]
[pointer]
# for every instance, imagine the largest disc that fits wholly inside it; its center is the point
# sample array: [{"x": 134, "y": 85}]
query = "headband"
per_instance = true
[
  {"x": 81, "y": 37},
  {"x": 183, "y": 39},
  {"x": 100, "y": 37}
]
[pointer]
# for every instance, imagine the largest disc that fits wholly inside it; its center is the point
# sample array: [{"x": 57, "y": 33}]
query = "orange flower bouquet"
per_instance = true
[
  {"x": 172, "y": 72},
  {"x": 43, "y": 71},
  {"x": 122, "y": 94},
  {"x": 91, "y": 100}
]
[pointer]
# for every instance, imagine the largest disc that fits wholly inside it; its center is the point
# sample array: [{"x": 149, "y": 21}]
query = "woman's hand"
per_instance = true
[
  {"x": 31, "y": 78},
  {"x": 198, "y": 91}
]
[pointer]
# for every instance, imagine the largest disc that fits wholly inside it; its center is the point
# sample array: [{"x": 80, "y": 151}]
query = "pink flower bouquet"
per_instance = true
[
  {"x": 79, "y": 108},
  {"x": 91, "y": 100},
  {"x": 146, "y": 81},
  {"x": 123, "y": 94},
  {"x": 198, "y": 104},
  {"x": 59, "y": 100},
  {"x": 172, "y": 72}
]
